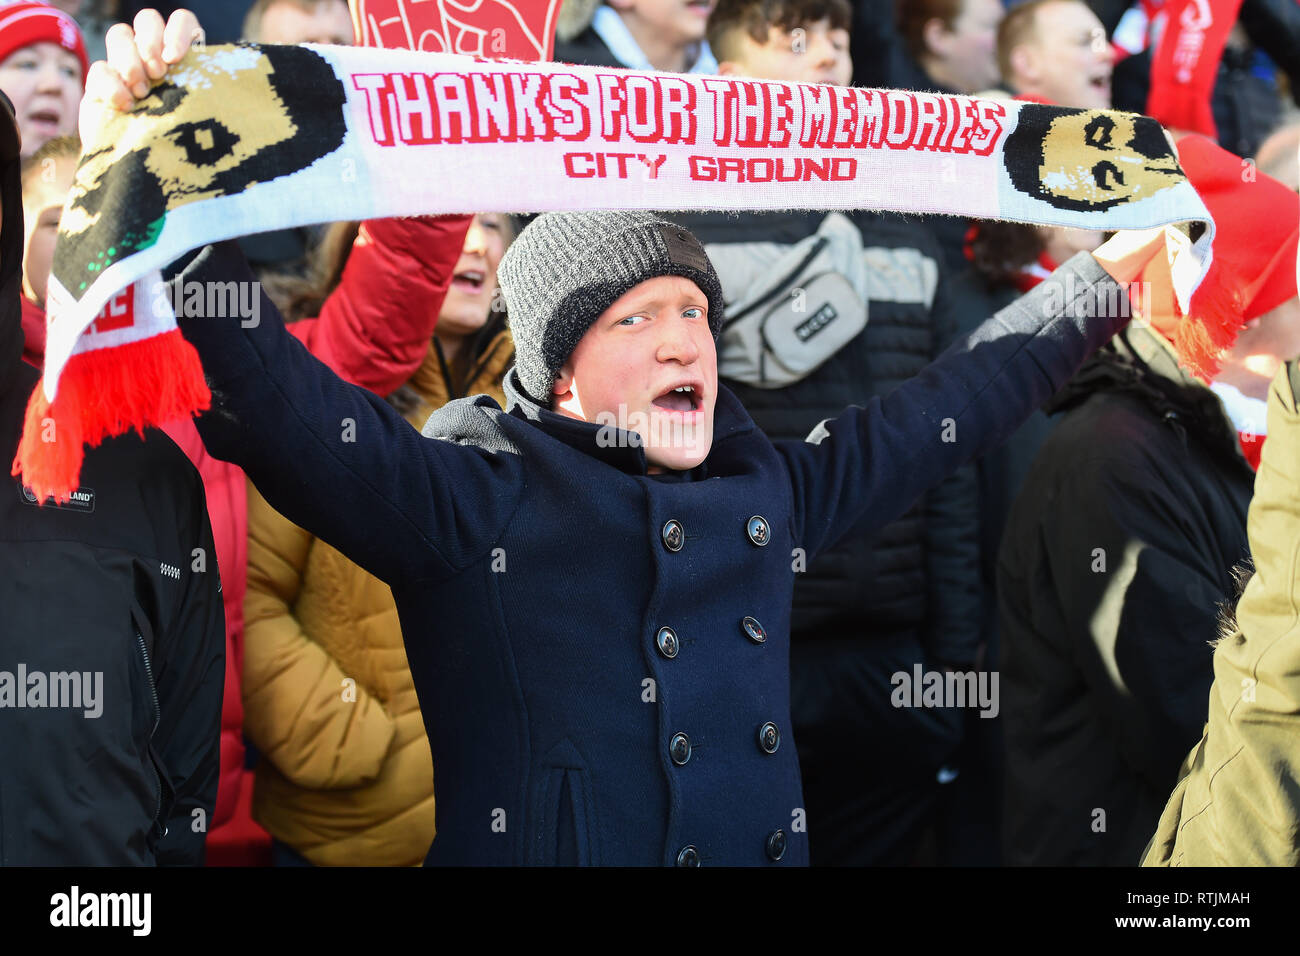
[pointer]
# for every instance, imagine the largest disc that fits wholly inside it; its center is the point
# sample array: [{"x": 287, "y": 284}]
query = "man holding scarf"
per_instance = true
[{"x": 610, "y": 682}]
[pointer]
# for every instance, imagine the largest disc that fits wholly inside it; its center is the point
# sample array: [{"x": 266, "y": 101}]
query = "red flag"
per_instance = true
[
  {"x": 499, "y": 29},
  {"x": 1186, "y": 62}
]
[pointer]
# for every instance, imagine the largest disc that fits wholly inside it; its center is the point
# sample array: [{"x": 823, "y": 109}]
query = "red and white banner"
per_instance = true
[{"x": 249, "y": 139}]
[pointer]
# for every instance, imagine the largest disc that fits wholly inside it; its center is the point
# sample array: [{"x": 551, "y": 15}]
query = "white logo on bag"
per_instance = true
[{"x": 816, "y": 322}]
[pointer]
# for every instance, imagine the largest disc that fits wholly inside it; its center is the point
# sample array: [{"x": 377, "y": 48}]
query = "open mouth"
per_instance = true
[
  {"x": 682, "y": 399},
  {"x": 470, "y": 281},
  {"x": 1101, "y": 83},
  {"x": 44, "y": 117}
]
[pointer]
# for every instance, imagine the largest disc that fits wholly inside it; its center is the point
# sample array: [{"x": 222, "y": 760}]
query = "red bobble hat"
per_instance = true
[
  {"x": 22, "y": 24},
  {"x": 1257, "y": 225}
]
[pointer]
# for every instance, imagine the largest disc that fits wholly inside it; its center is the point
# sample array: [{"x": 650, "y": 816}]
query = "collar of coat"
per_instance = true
[
  {"x": 622, "y": 449},
  {"x": 1141, "y": 362},
  {"x": 488, "y": 365}
]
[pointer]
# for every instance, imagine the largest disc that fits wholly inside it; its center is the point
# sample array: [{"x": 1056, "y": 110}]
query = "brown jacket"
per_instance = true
[
  {"x": 346, "y": 777},
  {"x": 1236, "y": 802}
]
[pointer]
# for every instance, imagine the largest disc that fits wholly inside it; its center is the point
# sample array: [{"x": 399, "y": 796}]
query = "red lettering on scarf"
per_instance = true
[
  {"x": 762, "y": 169},
  {"x": 647, "y": 109},
  {"x": 414, "y": 112},
  {"x": 986, "y": 135},
  {"x": 571, "y": 120},
  {"x": 514, "y": 107},
  {"x": 900, "y": 120},
  {"x": 871, "y": 117},
  {"x": 493, "y": 106},
  {"x": 677, "y": 107},
  {"x": 526, "y": 99},
  {"x": 722, "y": 95},
  {"x": 613, "y": 165},
  {"x": 751, "y": 131},
  {"x": 818, "y": 104},
  {"x": 118, "y": 312},
  {"x": 418, "y": 108},
  {"x": 378, "y": 89}
]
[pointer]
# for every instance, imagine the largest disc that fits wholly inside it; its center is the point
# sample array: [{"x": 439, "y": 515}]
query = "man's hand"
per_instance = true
[
  {"x": 138, "y": 56},
  {"x": 1125, "y": 254}
]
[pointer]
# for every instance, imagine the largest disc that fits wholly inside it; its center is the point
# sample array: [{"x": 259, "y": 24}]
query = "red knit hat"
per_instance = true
[
  {"x": 22, "y": 24},
  {"x": 1257, "y": 225}
]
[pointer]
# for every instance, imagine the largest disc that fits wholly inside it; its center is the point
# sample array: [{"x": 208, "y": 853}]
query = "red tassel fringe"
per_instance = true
[
  {"x": 1202, "y": 337},
  {"x": 103, "y": 393}
]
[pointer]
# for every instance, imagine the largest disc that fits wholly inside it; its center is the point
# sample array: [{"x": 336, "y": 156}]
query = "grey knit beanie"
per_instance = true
[{"x": 566, "y": 268}]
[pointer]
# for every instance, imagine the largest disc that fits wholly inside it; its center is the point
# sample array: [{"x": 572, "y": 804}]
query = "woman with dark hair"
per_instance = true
[{"x": 347, "y": 775}]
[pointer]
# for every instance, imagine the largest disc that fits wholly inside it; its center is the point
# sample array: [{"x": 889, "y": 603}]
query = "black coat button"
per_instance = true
[
  {"x": 758, "y": 530},
  {"x": 769, "y": 738},
  {"x": 673, "y": 535},
  {"x": 666, "y": 641},
  {"x": 679, "y": 748},
  {"x": 753, "y": 630},
  {"x": 688, "y": 856},
  {"x": 775, "y": 845}
]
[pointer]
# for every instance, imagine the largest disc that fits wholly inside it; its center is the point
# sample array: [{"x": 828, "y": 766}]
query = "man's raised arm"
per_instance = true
[
  {"x": 882, "y": 457},
  {"x": 334, "y": 458}
]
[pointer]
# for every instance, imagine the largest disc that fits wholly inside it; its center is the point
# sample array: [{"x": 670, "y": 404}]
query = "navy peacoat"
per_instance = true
[{"x": 609, "y": 681}]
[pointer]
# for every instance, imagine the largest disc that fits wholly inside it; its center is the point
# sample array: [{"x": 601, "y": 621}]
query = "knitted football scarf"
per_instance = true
[{"x": 246, "y": 139}]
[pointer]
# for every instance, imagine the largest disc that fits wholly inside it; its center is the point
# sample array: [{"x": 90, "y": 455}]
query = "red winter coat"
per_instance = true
[{"x": 368, "y": 333}]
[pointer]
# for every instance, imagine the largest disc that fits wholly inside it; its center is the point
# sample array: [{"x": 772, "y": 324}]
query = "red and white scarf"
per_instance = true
[{"x": 316, "y": 134}]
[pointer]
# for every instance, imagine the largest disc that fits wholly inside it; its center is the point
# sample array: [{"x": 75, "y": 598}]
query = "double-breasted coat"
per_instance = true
[{"x": 602, "y": 655}]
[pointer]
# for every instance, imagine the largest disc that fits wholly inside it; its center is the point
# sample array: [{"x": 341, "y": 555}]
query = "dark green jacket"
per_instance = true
[{"x": 1115, "y": 560}]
